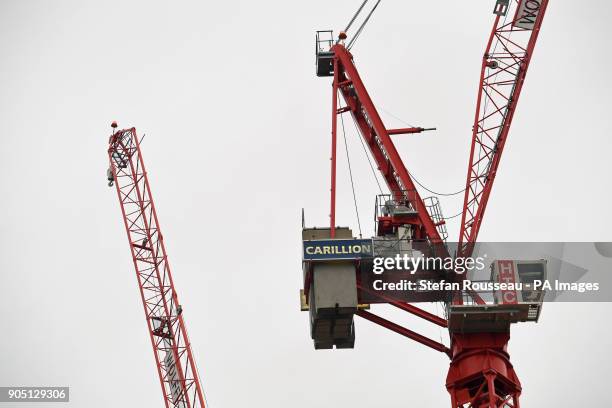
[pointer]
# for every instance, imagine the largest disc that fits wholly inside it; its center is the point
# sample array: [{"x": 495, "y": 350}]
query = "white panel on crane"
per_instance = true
[{"x": 527, "y": 14}]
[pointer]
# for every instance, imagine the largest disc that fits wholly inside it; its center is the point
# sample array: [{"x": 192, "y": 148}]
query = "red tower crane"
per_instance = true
[
  {"x": 174, "y": 360},
  {"x": 480, "y": 373}
]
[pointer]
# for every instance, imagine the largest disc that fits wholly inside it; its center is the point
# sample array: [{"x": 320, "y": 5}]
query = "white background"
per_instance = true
[{"x": 237, "y": 143}]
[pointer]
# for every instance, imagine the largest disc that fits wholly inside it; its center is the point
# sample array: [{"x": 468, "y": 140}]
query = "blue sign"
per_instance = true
[{"x": 337, "y": 249}]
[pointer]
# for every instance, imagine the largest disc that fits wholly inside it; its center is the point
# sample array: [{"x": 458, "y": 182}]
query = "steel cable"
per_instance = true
[{"x": 348, "y": 159}]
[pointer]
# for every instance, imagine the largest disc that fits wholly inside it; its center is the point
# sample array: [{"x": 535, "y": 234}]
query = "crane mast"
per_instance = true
[
  {"x": 480, "y": 373},
  {"x": 174, "y": 359}
]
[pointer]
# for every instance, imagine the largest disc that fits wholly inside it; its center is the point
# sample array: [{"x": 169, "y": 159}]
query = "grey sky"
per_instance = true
[{"x": 237, "y": 143}]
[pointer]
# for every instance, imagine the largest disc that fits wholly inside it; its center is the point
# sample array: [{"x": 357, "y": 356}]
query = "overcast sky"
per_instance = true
[{"x": 237, "y": 143}]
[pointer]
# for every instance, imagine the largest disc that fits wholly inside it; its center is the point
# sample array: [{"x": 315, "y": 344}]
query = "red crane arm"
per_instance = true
[
  {"x": 358, "y": 102},
  {"x": 173, "y": 356},
  {"x": 504, "y": 67},
  {"x": 376, "y": 135},
  {"x": 426, "y": 341}
]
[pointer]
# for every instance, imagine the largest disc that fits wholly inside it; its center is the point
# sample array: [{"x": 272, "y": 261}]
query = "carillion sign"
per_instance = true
[{"x": 326, "y": 249}]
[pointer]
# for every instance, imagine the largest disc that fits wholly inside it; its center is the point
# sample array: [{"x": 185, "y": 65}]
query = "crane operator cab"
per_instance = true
[
  {"x": 526, "y": 273},
  {"x": 518, "y": 297}
]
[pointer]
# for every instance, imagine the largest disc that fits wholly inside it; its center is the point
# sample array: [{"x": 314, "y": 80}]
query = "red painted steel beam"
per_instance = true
[
  {"x": 376, "y": 136},
  {"x": 174, "y": 360},
  {"x": 504, "y": 67},
  {"x": 423, "y": 314},
  {"x": 332, "y": 212},
  {"x": 405, "y": 130},
  {"x": 404, "y": 332}
]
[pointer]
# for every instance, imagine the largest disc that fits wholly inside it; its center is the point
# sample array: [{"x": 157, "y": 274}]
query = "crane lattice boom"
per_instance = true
[
  {"x": 173, "y": 356},
  {"x": 504, "y": 66}
]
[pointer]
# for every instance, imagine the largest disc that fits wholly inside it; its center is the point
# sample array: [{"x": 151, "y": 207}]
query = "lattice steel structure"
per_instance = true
[
  {"x": 504, "y": 67},
  {"x": 171, "y": 347}
]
